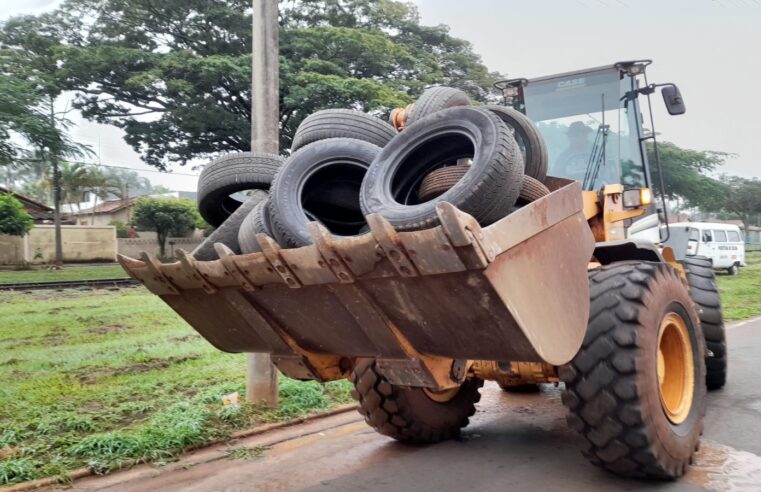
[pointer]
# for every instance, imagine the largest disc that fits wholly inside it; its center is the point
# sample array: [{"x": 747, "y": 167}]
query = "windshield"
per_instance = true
[{"x": 590, "y": 136}]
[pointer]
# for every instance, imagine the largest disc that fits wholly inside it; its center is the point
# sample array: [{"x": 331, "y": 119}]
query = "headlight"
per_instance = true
[{"x": 637, "y": 198}]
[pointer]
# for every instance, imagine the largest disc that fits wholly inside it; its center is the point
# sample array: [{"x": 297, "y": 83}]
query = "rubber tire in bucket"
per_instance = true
[
  {"x": 231, "y": 174},
  {"x": 342, "y": 123},
  {"x": 256, "y": 222},
  {"x": 533, "y": 147},
  {"x": 612, "y": 386},
  {"x": 408, "y": 414},
  {"x": 439, "y": 181},
  {"x": 531, "y": 190},
  {"x": 704, "y": 291},
  {"x": 227, "y": 233},
  {"x": 435, "y": 99},
  {"x": 488, "y": 190},
  {"x": 288, "y": 218}
]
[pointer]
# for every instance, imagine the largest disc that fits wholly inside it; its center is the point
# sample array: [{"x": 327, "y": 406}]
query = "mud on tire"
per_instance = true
[
  {"x": 705, "y": 293},
  {"x": 408, "y": 414},
  {"x": 612, "y": 386}
]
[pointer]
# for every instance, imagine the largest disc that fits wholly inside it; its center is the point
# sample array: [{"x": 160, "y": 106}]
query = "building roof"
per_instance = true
[
  {"x": 107, "y": 207},
  {"x": 37, "y": 210}
]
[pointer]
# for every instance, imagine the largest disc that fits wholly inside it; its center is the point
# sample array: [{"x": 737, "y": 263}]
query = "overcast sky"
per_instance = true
[{"x": 708, "y": 47}]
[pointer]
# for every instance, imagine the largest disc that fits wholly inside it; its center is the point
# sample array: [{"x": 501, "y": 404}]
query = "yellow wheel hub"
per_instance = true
[
  {"x": 676, "y": 370},
  {"x": 442, "y": 396}
]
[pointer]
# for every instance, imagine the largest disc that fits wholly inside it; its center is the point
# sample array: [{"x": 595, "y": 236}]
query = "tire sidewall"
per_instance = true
[
  {"x": 535, "y": 149},
  {"x": 287, "y": 218},
  {"x": 674, "y": 298},
  {"x": 480, "y": 127}
]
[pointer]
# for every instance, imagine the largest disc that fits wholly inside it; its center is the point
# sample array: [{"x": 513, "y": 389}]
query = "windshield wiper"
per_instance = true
[{"x": 597, "y": 157}]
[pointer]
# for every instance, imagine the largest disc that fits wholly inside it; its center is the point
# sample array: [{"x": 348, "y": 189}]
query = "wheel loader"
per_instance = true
[{"x": 553, "y": 292}]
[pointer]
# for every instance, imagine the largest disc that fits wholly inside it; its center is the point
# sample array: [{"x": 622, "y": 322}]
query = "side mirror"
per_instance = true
[{"x": 673, "y": 99}]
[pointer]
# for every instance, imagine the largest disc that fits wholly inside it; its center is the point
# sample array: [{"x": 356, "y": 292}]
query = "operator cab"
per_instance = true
[{"x": 590, "y": 121}]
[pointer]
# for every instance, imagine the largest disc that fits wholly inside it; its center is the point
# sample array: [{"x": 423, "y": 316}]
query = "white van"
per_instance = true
[{"x": 722, "y": 243}]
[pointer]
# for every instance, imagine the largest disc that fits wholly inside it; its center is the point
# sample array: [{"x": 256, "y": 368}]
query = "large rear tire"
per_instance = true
[
  {"x": 635, "y": 390},
  {"x": 409, "y": 415},
  {"x": 704, "y": 291}
]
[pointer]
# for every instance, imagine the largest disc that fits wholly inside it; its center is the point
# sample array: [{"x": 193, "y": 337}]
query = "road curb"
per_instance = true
[
  {"x": 741, "y": 322},
  {"x": 254, "y": 431}
]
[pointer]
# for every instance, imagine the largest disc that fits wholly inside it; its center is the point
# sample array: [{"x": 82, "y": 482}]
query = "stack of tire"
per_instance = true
[{"x": 346, "y": 164}]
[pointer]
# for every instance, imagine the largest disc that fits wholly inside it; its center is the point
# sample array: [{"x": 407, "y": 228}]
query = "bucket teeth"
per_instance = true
[
  {"x": 267, "y": 243},
  {"x": 329, "y": 248},
  {"x": 388, "y": 239},
  {"x": 223, "y": 251}
]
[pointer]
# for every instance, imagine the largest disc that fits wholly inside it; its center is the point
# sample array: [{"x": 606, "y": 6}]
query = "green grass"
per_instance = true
[
  {"x": 741, "y": 294},
  {"x": 103, "y": 379},
  {"x": 67, "y": 273}
]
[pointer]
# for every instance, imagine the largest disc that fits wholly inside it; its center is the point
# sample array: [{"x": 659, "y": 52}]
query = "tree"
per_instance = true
[
  {"x": 685, "y": 175},
  {"x": 14, "y": 220},
  {"x": 29, "y": 48},
  {"x": 166, "y": 216},
  {"x": 743, "y": 198},
  {"x": 175, "y": 75}
]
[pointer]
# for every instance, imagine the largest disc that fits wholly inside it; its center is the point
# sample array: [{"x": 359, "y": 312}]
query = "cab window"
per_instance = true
[
  {"x": 721, "y": 236},
  {"x": 694, "y": 234},
  {"x": 734, "y": 236},
  {"x": 707, "y": 237}
]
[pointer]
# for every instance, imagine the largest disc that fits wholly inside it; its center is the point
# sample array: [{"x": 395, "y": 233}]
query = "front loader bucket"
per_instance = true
[{"x": 516, "y": 290}]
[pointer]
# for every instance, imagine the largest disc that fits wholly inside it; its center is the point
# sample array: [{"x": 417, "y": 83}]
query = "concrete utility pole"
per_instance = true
[
  {"x": 261, "y": 374},
  {"x": 58, "y": 258}
]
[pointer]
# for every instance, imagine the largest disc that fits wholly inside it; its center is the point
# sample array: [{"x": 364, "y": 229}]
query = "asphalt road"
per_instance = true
[{"x": 514, "y": 442}]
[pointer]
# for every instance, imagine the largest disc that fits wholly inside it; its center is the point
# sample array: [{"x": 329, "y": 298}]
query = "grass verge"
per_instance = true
[
  {"x": 741, "y": 294},
  {"x": 103, "y": 378},
  {"x": 67, "y": 273}
]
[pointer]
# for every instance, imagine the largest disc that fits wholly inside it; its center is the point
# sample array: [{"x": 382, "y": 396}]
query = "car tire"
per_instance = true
[
  {"x": 529, "y": 140},
  {"x": 488, "y": 190},
  {"x": 531, "y": 190},
  {"x": 435, "y": 99},
  {"x": 227, "y": 233},
  {"x": 342, "y": 123},
  {"x": 322, "y": 179},
  {"x": 256, "y": 222},
  {"x": 231, "y": 174}
]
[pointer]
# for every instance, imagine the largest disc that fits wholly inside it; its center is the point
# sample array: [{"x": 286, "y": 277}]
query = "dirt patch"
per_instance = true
[
  {"x": 185, "y": 338},
  {"x": 20, "y": 374},
  {"x": 59, "y": 309},
  {"x": 7, "y": 452},
  {"x": 106, "y": 329},
  {"x": 11, "y": 362},
  {"x": 93, "y": 375},
  {"x": 56, "y": 336}
]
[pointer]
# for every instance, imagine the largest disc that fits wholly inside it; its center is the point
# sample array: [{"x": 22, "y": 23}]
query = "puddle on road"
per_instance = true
[{"x": 721, "y": 468}]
